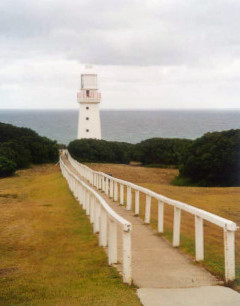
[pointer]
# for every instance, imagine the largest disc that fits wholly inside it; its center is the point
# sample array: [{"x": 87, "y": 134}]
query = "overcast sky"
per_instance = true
[{"x": 162, "y": 54}]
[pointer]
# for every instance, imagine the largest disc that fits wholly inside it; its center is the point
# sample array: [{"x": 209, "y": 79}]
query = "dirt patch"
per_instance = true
[
  {"x": 9, "y": 195},
  {"x": 6, "y": 271}
]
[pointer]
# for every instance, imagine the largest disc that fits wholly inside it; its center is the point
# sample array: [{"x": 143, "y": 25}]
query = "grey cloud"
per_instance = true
[
  {"x": 122, "y": 32},
  {"x": 191, "y": 47}
]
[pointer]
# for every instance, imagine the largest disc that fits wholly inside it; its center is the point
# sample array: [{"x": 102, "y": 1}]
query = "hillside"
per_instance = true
[{"x": 49, "y": 255}]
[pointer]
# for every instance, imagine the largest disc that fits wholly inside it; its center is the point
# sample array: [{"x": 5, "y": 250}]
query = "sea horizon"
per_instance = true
[
  {"x": 131, "y": 125},
  {"x": 125, "y": 109}
]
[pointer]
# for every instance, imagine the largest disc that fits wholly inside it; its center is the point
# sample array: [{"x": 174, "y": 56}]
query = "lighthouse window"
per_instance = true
[
  {"x": 87, "y": 130},
  {"x": 87, "y": 107},
  {"x": 87, "y": 118},
  {"x": 87, "y": 93}
]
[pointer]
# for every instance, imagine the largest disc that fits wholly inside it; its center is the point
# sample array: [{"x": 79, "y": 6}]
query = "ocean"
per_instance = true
[{"x": 124, "y": 125}]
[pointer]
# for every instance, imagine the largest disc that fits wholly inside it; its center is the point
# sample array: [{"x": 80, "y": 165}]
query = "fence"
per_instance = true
[
  {"x": 110, "y": 184},
  {"x": 104, "y": 220}
]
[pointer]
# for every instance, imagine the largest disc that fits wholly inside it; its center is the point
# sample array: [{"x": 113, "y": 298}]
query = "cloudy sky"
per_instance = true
[{"x": 162, "y": 54}]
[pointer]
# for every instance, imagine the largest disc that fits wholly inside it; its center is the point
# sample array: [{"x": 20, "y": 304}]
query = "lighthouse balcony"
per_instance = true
[{"x": 85, "y": 96}]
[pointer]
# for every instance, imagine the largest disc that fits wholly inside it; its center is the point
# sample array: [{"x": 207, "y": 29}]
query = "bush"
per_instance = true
[
  {"x": 213, "y": 160},
  {"x": 23, "y": 146},
  {"x": 16, "y": 152},
  {"x": 94, "y": 150},
  {"x": 7, "y": 167},
  {"x": 43, "y": 150},
  {"x": 162, "y": 151}
]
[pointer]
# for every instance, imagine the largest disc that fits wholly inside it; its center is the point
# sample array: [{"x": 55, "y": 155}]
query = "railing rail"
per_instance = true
[
  {"x": 104, "y": 220},
  {"x": 109, "y": 185}
]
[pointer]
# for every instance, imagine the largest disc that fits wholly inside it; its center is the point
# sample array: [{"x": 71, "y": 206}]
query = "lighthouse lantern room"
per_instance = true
[{"x": 89, "y": 98}]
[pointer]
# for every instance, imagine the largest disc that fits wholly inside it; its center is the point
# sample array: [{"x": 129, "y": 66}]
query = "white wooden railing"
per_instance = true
[
  {"x": 104, "y": 220},
  {"x": 110, "y": 184}
]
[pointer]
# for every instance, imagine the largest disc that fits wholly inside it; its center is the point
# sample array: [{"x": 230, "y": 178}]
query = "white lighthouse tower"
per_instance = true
[{"x": 89, "y": 99}]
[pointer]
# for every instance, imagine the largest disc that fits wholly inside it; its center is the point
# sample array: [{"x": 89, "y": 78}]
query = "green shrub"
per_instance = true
[
  {"x": 7, "y": 167},
  {"x": 213, "y": 160},
  {"x": 23, "y": 146},
  {"x": 42, "y": 149},
  {"x": 94, "y": 150},
  {"x": 16, "y": 152},
  {"x": 161, "y": 151}
]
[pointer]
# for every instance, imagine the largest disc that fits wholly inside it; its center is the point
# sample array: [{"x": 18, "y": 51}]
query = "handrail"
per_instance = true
[
  {"x": 229, "y": 227},
  {"x": 112, "y": 214},
  {"x": 215, "y": 219},
  {"x": 104, "y": 219}
]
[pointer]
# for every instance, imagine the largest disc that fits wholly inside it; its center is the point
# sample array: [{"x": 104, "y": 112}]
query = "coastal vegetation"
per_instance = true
[
  {"x": 102, "y": 151},
  {"x": 49, "y": 254},
  {"x": 21, "y": 147},
  {"x": 211, "y": 160},
  {"x": 161, "y": 151}
]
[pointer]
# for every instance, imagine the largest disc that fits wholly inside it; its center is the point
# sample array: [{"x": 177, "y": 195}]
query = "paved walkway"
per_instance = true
[{"x": 164, "y": 275}]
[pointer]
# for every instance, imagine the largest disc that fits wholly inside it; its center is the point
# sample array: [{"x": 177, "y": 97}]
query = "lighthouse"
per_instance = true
[{"x": 89, "y": 98}]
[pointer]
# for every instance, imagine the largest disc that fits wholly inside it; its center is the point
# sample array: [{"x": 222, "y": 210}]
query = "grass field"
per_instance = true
[
  {"x": 224, "y": 202},
  {"x": 48, "y": 254}
]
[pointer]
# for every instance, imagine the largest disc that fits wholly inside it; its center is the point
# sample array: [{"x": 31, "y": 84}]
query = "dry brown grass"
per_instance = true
[
  {"x": 224, "y": 202},
  {"x": 49, "y": 255}
]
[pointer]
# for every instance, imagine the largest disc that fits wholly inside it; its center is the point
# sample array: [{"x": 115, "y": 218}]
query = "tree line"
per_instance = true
[
  {"x": 211, "y": 160},
  {"x": 21, "y": 147}
]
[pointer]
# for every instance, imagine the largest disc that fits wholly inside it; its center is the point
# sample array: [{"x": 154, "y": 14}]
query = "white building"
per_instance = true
[{"x": 89, "y": 98}]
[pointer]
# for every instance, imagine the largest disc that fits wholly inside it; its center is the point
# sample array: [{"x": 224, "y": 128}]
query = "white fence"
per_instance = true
[
  {"x": 104, "y": 219},
  {"x": 110, "y": 184}
]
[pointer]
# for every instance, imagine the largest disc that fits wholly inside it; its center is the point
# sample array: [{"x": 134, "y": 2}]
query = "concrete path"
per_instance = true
[
  {"x": 161, "y": 270},
  {"x": 201, "y": 296}
]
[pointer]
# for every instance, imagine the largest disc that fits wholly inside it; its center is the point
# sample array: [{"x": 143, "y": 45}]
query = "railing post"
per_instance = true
[
  {"x": 136, "y": 202},
  {"x": 160, "y": 216},
  {"x": 112, "y": 242},
  {"x": 103, "y": 184},
  {"x": 127, "y": 257},
  {"x": 115, "y": 191},
  {"x": 91, "y": 199},
  {"x": 147, "y": 209},
  {"x": 96, "y": 180},
  {"x": 103, "y": 228},
  {"x": 106, "y": 186},
  {"x": 199, "y": 239},
  {"x": 129, "y": 198},
  {"x": 176, "y": 226},
  {"x": 84, "y": 198},
  {"x": 229, "y": 255},
  {"x": 121, "y": 194},
  {"x": 99, "y": 182},
  {"x": 96, "y": 226},
  {"x": 81, "y": 194},
  {"x": 111, "y": 188},
  {"x": 88, "y": 203}
]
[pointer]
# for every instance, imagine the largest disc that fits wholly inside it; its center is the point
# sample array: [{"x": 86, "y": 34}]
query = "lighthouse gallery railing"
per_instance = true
[{"x": 110, "y": 184}]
